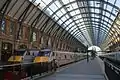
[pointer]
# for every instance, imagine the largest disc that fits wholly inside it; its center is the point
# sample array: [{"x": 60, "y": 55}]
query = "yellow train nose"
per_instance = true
[
  {"x": 15, "y": 59},
  {"x": 40, "y": 59}
]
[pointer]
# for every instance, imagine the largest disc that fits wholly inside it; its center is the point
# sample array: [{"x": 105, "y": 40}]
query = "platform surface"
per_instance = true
[{"x": 82, "y": 70}]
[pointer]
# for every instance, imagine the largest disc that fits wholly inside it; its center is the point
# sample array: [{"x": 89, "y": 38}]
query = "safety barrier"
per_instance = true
[
  {"x": 112, "y": 70},
  {"x": 24, "y": 70}
]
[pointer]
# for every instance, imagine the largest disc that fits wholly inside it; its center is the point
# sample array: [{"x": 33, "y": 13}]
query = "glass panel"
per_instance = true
[
  {"x": 105, "y": 5},
  {"x": 59, "y": 13},
  {"x": 77, "y": 11},
  {"x": 63, "y": 18},
  {"x": 45, "y": 1},
  {"x": 118, "y": 3},
  {"x": 97, "y": 11},
  {"x": 72, "y": 13},
  {"x": 42, "y": 5},
  {"x": 109, "y": 8},
  {"x": 111, "y": 1},
  {"x": 48, "y": 11},
  {"x": 73, "y": 27},
  {"x": 79, "y": 16},
  {"x": 63, "y": 11},
  {"x": 55, "y": 17},
  {"x": 65, "y": 1},
  {"x": 77, "y": 21},
  {"x": 115, "y": 11},
  {"x": 107, "y": 14},
  {"x": 81, "y": 20},
  {"x": 70, "y": 20},
  {"x": 60, "y": 21},
  {"x": 71, "y": 0},
  {"x": 67, "y": 16},
  {"x": 58, "y": 4},
  {"x": 97, "y": 4},
  {"x": 53, "y": 7},
  {"x": 112, "y": 17},
  {"x": 97, "y": 16},
  {"x": 91, "y": 3},
  {"x": 67, "y": 22},
  {"x": 75, "y": 5}
]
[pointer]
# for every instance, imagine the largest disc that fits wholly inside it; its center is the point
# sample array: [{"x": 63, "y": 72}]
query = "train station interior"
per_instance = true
[{"x": 59, "y": 39}]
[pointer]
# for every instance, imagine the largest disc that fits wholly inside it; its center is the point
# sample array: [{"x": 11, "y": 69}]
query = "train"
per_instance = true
[
  {"x": 114, "y": 56},
  {"x": 45, "y": 56},
  {"x": 35, "y": 61},
  {"x": 23, "y": 55}
]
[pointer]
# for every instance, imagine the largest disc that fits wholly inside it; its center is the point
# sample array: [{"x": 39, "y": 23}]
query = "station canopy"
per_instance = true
[{"x": 87, "y": 20}]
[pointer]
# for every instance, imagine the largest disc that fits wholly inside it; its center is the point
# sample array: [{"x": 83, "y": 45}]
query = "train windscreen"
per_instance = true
[
  {"x": 19, "y": 53},
  {"x": 44, "y": 53}
]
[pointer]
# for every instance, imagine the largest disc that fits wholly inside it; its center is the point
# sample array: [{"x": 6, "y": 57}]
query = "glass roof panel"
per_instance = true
[
  {"x": 63, "y": 18},
  {"x": 63, "y": 11},
  {"x": 72, "y": 13},
  {"x": 109, "y": 8},
  {"x": 75, "y": 5},
  {"x": 49, "y": 11},
  {"x": 118, "y": 3},
  {"x": 58, "y": 4},
  {"x": 53, "y": 7},
  {"x": 60, "y": 21},
  {"x": 59, "y": 13},
  {"x": 65, "y": 1}
]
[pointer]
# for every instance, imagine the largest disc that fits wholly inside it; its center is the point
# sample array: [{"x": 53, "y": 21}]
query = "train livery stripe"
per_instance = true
[{"x": 40, "y": 59}]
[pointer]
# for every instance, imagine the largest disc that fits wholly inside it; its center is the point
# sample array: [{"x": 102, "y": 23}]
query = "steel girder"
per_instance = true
[{"x": 104, "y": 2}]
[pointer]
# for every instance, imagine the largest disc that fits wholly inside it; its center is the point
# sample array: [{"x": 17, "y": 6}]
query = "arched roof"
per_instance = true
[{"x": 90, "y": 20}]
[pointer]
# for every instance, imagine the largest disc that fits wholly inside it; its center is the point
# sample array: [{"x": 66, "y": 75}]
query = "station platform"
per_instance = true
[{"x": 82, "y": 70}]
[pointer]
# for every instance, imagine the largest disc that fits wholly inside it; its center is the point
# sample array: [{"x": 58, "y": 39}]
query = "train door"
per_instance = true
[
  {"x": 6, "y": 51},
  {"x": 28, "y": 57}
]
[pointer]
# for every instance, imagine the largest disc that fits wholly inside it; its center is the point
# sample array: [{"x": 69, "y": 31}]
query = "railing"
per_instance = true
[
  {"x": 20, "y": 71},
  {"x": 112, "y": 70}
]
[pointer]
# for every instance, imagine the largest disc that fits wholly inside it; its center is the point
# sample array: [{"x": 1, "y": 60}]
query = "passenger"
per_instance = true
[{"x": 33, "y": 55}]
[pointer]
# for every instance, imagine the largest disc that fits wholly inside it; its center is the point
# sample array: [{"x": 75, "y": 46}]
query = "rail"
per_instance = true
[{"x": 112, "y": 70}]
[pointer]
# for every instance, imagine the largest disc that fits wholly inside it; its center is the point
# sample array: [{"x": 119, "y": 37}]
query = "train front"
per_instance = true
[
  {"x": 17, "y": 56},
  {"x": 43, "y": 56}
]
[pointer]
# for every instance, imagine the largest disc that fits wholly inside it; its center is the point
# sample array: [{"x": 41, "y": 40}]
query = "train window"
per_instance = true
[
  {"x": 112, "y": 55},
  {"x": 28, "y": 53},
  {"x": 34, "y": 53},
  {"x": 53, "y": 54},
  {"x": 44, "y": 53},
  {"x": 71, "y": 56},
  {"x": 65, "y": 56}
]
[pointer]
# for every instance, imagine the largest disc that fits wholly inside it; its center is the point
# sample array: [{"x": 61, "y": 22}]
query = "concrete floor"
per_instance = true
[{"x": 79, "y": 71}]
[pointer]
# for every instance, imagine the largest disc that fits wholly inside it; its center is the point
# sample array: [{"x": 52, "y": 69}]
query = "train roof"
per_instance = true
[
  {"x": 28, "y": 49},
  {"x": 45, "y": 50}
]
